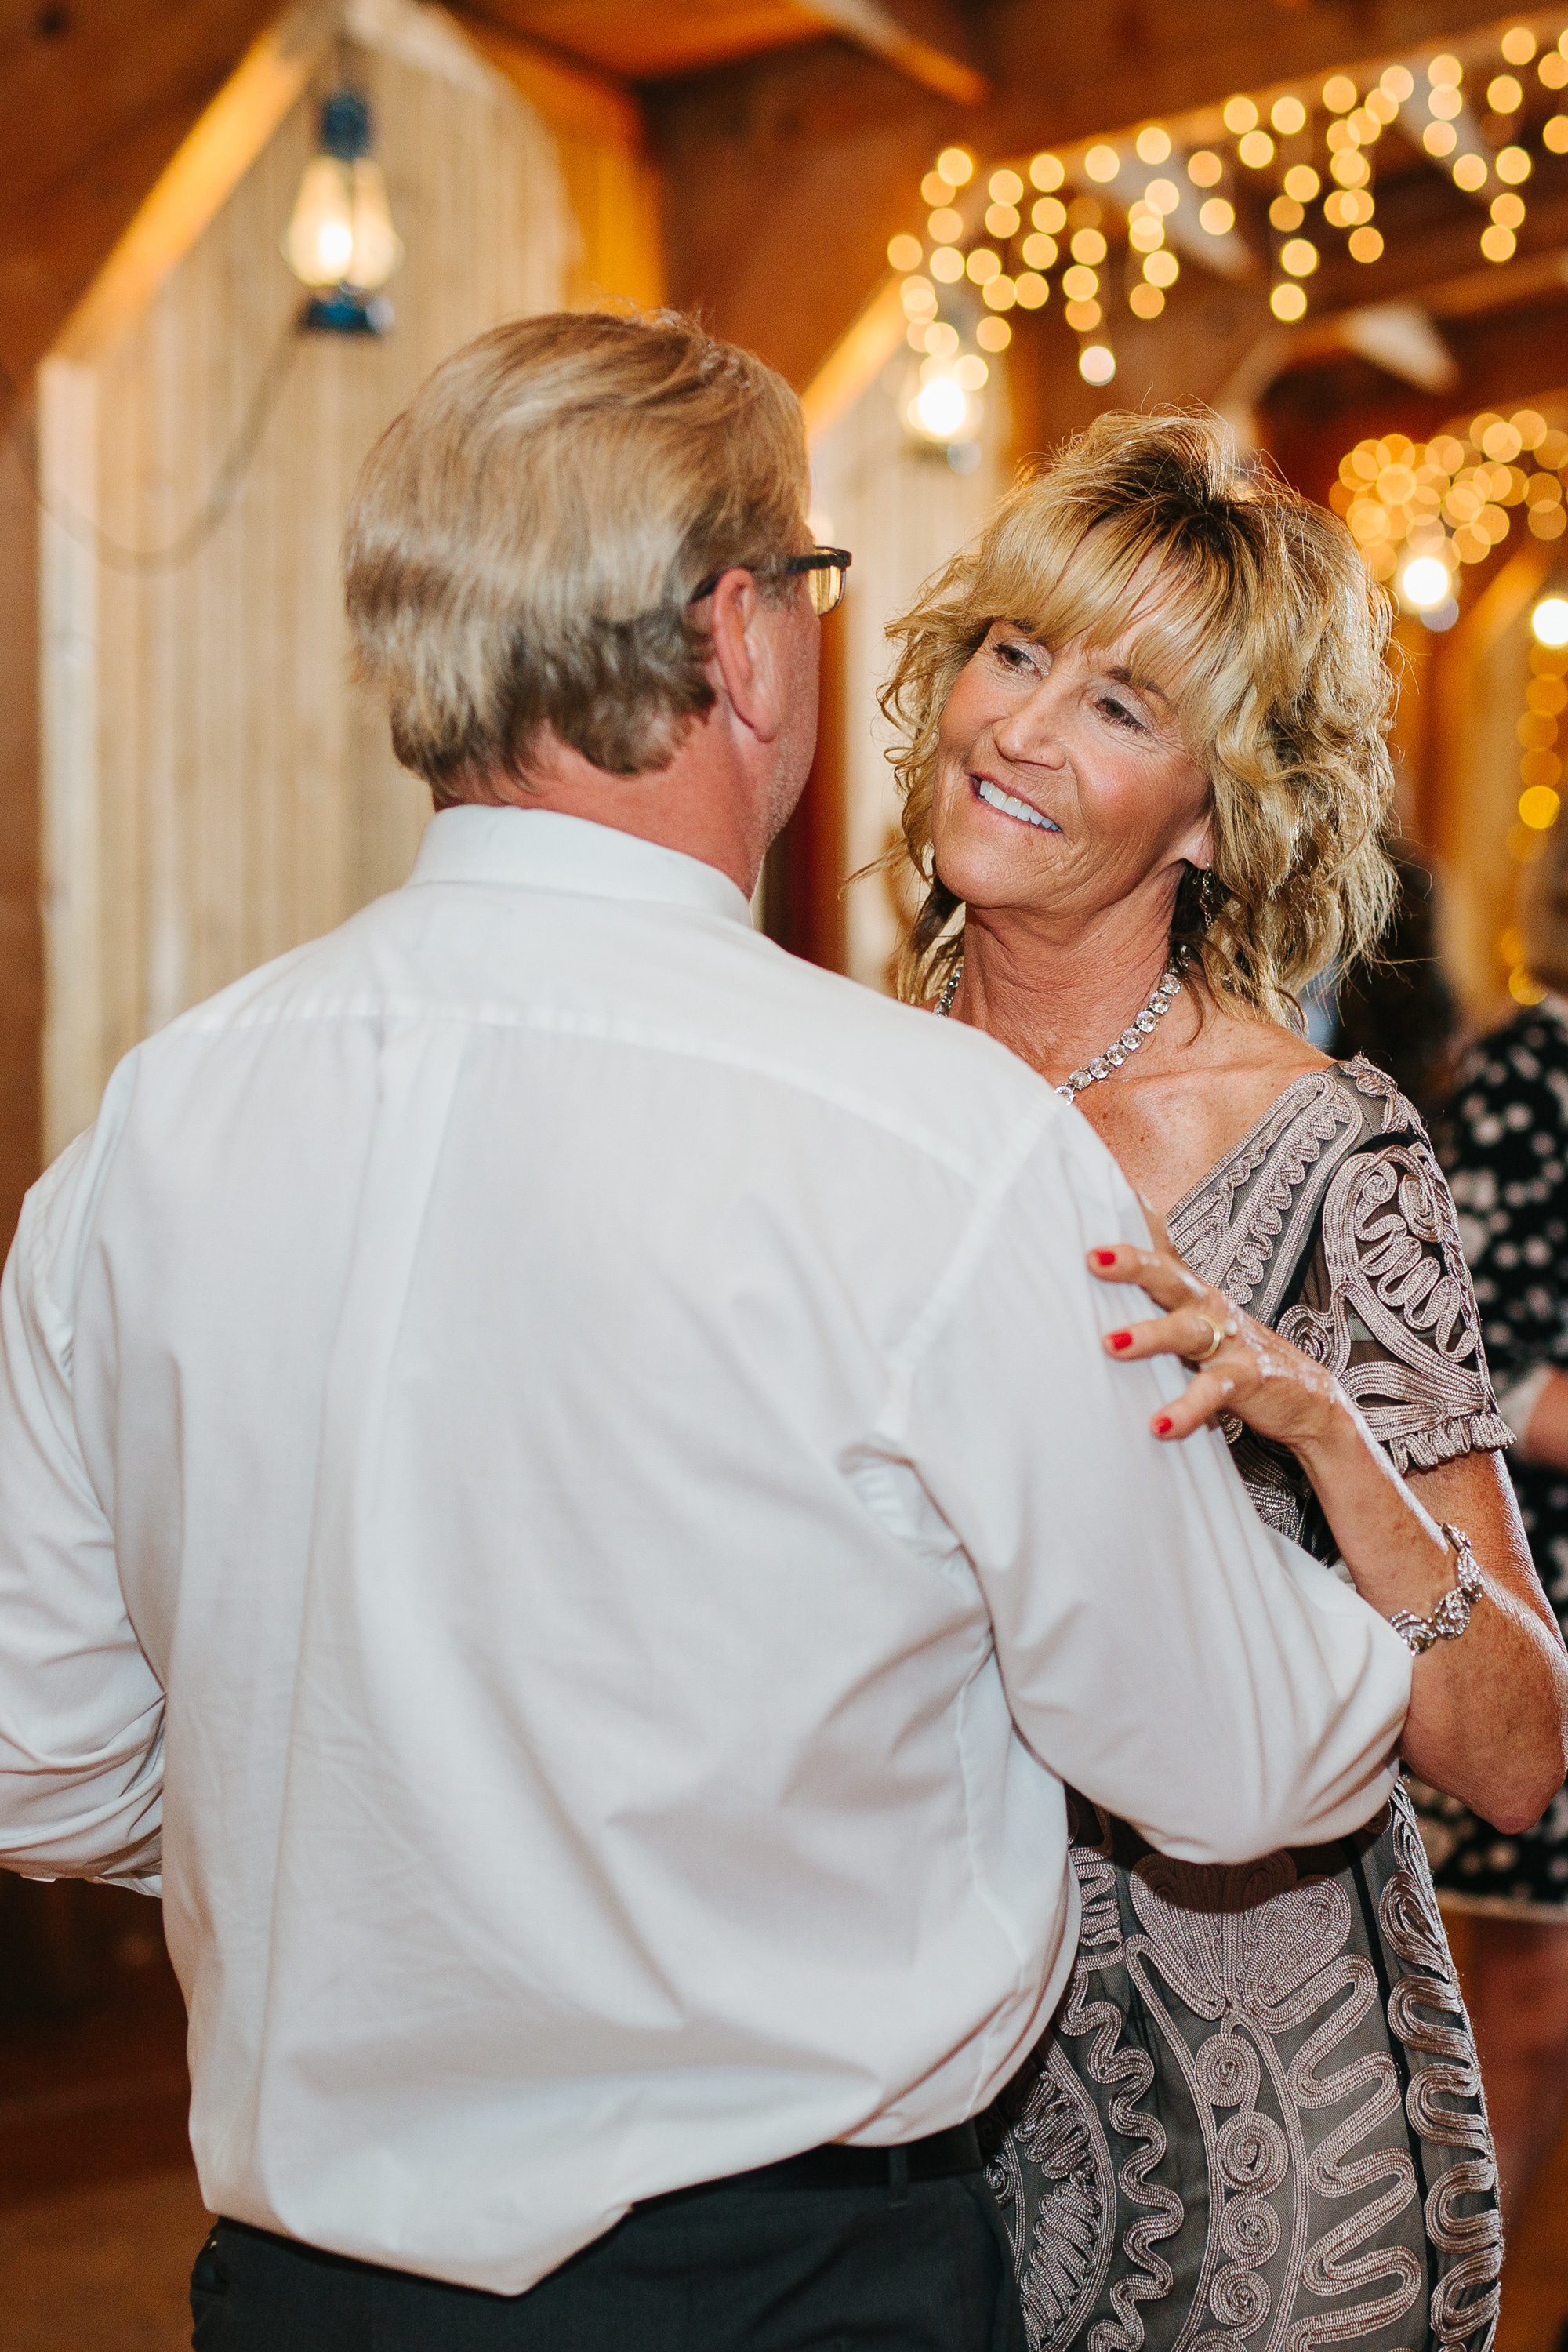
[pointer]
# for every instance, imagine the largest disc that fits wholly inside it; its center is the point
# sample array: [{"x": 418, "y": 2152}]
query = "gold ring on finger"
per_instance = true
[{"x": 1221, "y": 1332}]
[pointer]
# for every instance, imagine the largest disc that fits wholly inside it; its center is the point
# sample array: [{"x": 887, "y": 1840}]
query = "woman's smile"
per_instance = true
[{"x": 1008, "y": 804}]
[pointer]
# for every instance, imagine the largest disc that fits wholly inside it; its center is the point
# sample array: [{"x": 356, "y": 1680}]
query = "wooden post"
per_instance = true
[
  {"x": 21, "y": 934},
  {"x": 67, "y": 461},
  {"x": 803, "y": 891}
]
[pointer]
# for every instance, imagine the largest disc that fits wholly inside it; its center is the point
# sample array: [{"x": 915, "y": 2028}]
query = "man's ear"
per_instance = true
[{"x": 743, "y": 665}]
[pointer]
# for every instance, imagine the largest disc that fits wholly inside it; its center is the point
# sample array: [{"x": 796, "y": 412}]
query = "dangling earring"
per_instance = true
[{"x": 1212, "y": 894}]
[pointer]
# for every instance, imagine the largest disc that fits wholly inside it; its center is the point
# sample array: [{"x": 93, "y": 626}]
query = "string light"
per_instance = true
[
  {"x": 1026, "y": 226},
  {"x": 1451, "y": 499},
  {"x": 1426, "y": 583},
  {"x": 1539, "y": 732}
]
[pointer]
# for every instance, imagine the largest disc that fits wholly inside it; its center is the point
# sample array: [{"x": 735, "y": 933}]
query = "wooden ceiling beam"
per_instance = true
[
  {"x": 786, "y": 174},
  {"x": 929, "y": 45},
  {"x": 201, "y": 175},
  {"x": 1061, "y": 75},
  {"x": 1343, "y": 396},
  {"x": 1432, "y": 239},
  {"x": 94, "y": 103}
]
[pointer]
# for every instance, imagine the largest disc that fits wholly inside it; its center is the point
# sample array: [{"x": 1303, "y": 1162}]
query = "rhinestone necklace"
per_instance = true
[{"x": 1168, "y": 987}]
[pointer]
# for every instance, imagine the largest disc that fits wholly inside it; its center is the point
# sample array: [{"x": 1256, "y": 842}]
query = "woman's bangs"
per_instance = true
[{"x": 1168, "y": 608}]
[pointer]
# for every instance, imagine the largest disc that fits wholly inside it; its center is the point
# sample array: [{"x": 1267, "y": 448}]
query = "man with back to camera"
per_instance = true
[{"x": 559, "y": 1481}]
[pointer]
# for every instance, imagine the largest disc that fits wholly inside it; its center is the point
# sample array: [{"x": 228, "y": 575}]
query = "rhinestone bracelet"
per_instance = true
[{"x": 1452, "y": 1613}]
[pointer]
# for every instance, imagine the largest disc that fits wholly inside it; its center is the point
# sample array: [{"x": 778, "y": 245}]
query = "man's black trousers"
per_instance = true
[{"x": 921, "y": 2266}]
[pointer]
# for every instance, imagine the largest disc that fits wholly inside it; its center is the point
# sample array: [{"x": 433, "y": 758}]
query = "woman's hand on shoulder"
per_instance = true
[{"x": 1238, "y": 1365}]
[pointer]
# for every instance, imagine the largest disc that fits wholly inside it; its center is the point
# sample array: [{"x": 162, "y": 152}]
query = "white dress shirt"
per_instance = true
[{"x": 558, "y": 1477}]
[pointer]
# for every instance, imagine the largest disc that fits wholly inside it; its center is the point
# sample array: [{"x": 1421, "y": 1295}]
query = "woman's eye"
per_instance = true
[
  {"x": 1013, "y": 655},
  {"x": 1119, "y": 712}
]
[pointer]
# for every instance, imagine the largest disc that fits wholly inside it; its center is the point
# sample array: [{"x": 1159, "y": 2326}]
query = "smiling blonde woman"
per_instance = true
[{"x": 1146, "y": 792}]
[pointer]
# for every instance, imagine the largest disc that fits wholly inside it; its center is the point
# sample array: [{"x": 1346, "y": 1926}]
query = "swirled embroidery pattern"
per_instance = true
[
  {"x": 1264, "y": 2154},
  {"x": 1248, "y": 2168}
]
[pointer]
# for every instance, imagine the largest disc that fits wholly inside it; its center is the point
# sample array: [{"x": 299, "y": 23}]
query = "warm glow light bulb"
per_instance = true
[
  {"x": 320, "y": 242},
  {"x": 1548, "y": 622},
  {"x": 1424, "y": 583},
  {"x": 340, "y": 240},
  {"x": 940, "y": 409},
  {"x": 377, "y": 247}
]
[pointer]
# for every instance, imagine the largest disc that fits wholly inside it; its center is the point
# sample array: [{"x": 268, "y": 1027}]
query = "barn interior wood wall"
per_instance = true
[
  {"x": 214, "y": 790},
  {"x": 903, "y": 510}
]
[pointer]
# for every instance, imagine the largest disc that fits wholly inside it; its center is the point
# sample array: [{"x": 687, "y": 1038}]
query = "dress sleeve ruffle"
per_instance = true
[
  {"x": 1429, "y": 1449},
  {"x": 1388, "y": 1306}
]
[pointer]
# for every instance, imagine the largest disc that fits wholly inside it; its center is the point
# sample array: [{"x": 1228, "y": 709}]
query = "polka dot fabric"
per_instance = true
[{"x": 1507, "y": 1154}]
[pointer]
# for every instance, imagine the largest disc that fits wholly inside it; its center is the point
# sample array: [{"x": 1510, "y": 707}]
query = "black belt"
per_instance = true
[{"x": 943, "y": 2156}]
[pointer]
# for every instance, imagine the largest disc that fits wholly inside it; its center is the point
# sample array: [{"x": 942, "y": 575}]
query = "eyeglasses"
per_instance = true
[{"x": 825, "y": 569}]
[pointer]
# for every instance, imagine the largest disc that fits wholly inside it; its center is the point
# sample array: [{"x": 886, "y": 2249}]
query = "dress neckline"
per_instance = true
[{"x": 1244, "y": 1142}]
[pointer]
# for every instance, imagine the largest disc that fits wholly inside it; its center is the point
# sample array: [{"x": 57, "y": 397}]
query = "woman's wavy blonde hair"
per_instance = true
[{"x": 1252, "y": 610}]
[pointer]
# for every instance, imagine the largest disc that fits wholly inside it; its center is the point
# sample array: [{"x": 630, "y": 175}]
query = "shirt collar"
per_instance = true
[{"x": 540, "y": 849}]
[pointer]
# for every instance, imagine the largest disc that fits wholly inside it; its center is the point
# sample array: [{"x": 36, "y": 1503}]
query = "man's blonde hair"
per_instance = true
[
  {"x": 525, "y": 539},
  {"x": 1251, "y": 608}
]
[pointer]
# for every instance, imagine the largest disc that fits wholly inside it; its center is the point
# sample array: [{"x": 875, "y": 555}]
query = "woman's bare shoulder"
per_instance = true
[
  {"x": 1174, "y": 1123},
  {"x": 1236, "y": 1045}
]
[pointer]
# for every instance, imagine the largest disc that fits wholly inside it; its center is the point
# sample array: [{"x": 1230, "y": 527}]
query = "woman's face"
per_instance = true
[{"x": 1063, "y": 782}]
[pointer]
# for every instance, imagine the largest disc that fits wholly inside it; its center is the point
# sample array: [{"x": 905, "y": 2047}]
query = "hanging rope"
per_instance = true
[{"x": 227, "y": 484}]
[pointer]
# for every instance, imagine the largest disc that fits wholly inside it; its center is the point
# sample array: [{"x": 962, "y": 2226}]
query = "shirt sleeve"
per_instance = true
[
  {"x": 1162, "y": 1649},
  {"x": 1389, "y": 1307},
  {"x": 82, "y": 1713}
]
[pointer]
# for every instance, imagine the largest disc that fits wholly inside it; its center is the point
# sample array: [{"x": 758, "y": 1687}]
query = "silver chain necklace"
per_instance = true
[{"x": 1168, "y": 987}]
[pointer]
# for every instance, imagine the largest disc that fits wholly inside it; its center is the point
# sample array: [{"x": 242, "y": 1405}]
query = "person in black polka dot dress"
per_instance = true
[{"x": 1507, "y": 1156}]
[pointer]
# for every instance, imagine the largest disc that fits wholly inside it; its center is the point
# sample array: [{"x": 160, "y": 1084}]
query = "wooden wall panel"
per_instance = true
[
  {"x": 901, "y": 511},
  {"x": 230, "y": 796},
  {"x": 21, "y": 941}
]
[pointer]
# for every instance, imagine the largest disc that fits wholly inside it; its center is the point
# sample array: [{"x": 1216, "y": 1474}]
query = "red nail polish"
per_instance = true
[
  {"x": 1163, "y": 1426},
  {"x": 1105, "y": 1258},
  {"x": 1120, "y": 1340}
]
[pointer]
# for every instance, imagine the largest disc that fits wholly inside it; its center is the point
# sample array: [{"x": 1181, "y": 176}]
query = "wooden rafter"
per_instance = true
[
  {"x": 933, "y": 53},
  {"x": 764, "y": 157},
  {"x": 91, "y": 114}
]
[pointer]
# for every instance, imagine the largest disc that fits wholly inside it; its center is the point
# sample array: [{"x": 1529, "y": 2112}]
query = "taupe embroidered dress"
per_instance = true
[{"x": 1256, "y": 2124}]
